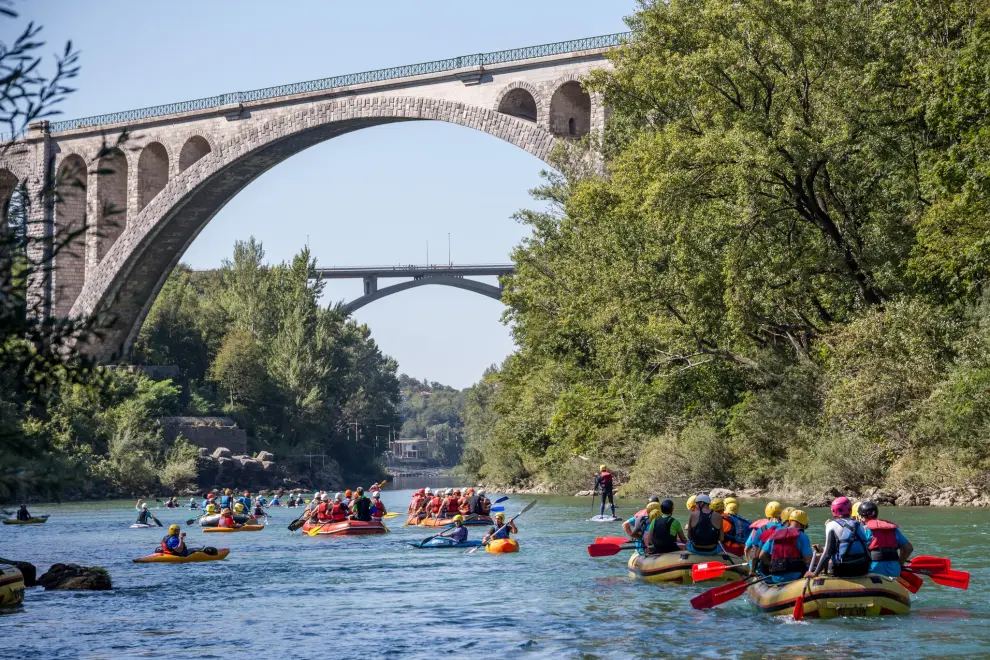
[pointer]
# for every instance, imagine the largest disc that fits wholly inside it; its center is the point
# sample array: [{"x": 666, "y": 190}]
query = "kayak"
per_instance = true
[
  {"x": 676, "y": 567},
  {"x": 193, "y": 557},
  {"x": 242, "y": 528},
  {"x": 11, "y": 585},
  {"x": 37, "y": 520},
  {"x": 346, "y": 528},
  {"x": 214, "y": 520},
  {"x": 829, "y": 597},
  {"x": 140, "y": 526},
  {"x": 444, "y": 542},
  {"x": 502, "y": 546},
  {"x": 480, "y": 521}
]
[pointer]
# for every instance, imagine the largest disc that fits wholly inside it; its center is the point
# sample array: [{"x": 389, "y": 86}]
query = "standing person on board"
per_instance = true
[
  {"x": 846, "y": 553},
  {"x": 704, "y": 532},
  {"x": 604, "y": 484},
  {"x": 889, "y": 548},
  {"x": 144, "y": 516},
  {"x": 664, "y": 532}
]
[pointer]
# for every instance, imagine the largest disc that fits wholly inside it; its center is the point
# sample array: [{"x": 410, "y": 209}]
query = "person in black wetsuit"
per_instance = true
[
  {"x": 361, "y": 506},
  {"x": 603, "y": 484},
  {"x": 22, "y": 513}
]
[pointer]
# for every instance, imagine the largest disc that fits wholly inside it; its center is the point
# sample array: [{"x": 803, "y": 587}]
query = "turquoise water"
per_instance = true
[{"x": 284, "y": 594}]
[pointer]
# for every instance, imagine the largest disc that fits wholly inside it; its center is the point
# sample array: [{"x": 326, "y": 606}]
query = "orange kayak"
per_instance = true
[
  {"x": 347, "y": 528},
  {"x": 480, "y": 521},
  {"x": 502, "y": 546}
]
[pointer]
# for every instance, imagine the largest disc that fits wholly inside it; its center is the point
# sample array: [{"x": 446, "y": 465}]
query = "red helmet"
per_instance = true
[
  {"x": 210, "y": 496},
  {"x": 421, "y": 491},
  {"x": 842, "y": 507},
  {"x": 247, "y": 493}
]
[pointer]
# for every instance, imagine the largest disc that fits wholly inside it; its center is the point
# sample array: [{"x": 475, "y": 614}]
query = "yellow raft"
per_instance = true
[
  {"x": 676, "y": 567},
  {"x": 242, "y": 528},
  {"x": 11, "y": 586},
  {"x": 192, "y": 558},
  {"x": 30, "y": 521},
  {"x": 828, "y": 597}
]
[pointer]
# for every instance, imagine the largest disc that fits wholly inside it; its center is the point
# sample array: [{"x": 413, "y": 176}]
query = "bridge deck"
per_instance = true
[{"x": 412, "y": 270}]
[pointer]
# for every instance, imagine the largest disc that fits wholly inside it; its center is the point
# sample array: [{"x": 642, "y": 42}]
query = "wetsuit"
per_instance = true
[{"x": 604, "y": 484}]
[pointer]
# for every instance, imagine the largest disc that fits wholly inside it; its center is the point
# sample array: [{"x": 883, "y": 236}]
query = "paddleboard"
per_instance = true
[
  {"x": 604, "y": 519},
  {"x": 140, "y": 526}
]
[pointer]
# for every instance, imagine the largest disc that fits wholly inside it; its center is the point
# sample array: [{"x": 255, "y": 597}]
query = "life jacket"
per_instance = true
[
  {"x": 852, "y": 557},
  {"x": 362, "y": 507},
  {"x": 451, "y": 505},
  {"x": 165, "y": 549},
  {"x": 662, "y": 541},
  {"x": 225, "y": 501},
  {"x": 641, "y": 522},
  {"x": 605, "y": 479},
  {"x": 379, "y": 510},
  {"x": 323, "y": 512},
  {"x": 500, "y": 531},
  {"x": 786, "y": 558},
  {"x": 22, "y": 514},
  {"x": 464, "y": 506},
  {"x": 417, "y": 502},
  {"x": 142, "y": 518},
  {"x": 479, "y": 507},
  {"x": 226, "y": 521},
  {"x": 737, "y": 529},
  {"x": 239, "y": 508},
  {"x": 338, "y": 512},
  {"x": 883, "y": 546},
  {"x": 704, "y": 536},
  {"x": 258, "y": 511}
]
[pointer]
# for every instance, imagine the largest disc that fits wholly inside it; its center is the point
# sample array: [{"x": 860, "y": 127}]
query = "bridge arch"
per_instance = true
[
  {"x": 474, "y": 286},
  {"x": 134, "y": 269}
]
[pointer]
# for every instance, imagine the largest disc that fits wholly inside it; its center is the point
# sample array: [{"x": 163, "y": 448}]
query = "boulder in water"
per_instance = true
[
  {"x": 73, "y": 577},
  {"x": 29, "y": 572}
]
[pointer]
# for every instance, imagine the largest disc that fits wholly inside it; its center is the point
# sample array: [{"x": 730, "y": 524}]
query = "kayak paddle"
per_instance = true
[
  {"x": 608, "y": 549},
  {"x": 157, "y": 521},
  {"x": 947, "y": 578},
  {"x": 708, "y": 570},
  {"x": 722, "y": 594},
  {"x": 316, "y": 530},
  {"x": 389, "y": 516},
  {"x": 930, "y": 563},
  {"x": 444, "y": 532},
  {"x": 615, "y": 540},
  {"x": 485, "y": 545},
  {"x": 496, "y": 509},
  {"x": 298, "y": 522}
]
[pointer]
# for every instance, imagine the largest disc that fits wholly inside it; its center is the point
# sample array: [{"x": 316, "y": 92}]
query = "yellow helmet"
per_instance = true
[
  {"x": 690, "y": 502},
  {"x": 855, "y": 513},
  {"x": 239, "y": 508},
  {"x": 718, "y": 504},
  {"x": 173, "y": 530},
  {"x": 602, "y": 468},
  {"x": 499, "y": 516},
  {"x": 730, "y": 500},
  {"x": 458, "y": 518},
  {"x": 655, "y": 513},
  {"x": 211, "y": 508},
  {"x": 800, "y": 516},
  {"x": 772, "y": 510},
  {"x": 785, "y": 515},
  {"x": 226, "y": 491},
  {"x": 652, "y": 506},
  {"x": 732, "y": 508}
]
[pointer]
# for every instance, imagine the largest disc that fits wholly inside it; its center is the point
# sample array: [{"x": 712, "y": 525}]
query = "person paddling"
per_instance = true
[
  {"x": 500, "y": 530},
  {"x": 664, "y": 530},
  {"x": 889, "y": 548},
  {"x": 786, "y": 554},
  {"x": 735, "y": 528},
  {"x": 227, "y": 520},
  {"x": 704, "y": 532},
  {"x": 845, "y": 553},
  {"x": 460, "y": 533},
  {"x": 338, "y": 511},
  {"x": 483, "y": 505},
  {"x": 174, "y": 543},
  {"x": 144, "y": 516},
  {"x": 22, "y": 513},
  {"x": 604, "y": 484},
  {"x": 361, "y": 506},
  {"x": 636, "y": 526},
  {"x": 378, "y": 510},
  {"x": 772, "y": 512}
]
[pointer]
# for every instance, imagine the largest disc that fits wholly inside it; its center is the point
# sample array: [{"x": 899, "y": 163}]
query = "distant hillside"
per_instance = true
[{"x": 434, "y": 412}]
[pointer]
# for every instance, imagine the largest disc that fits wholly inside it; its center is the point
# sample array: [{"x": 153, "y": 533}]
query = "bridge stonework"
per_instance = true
[{"x": 183, "y": 162}]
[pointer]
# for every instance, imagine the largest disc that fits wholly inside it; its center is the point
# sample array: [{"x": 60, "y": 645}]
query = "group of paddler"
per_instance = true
[
  {"x": 775, "y": 553},
  {"x": 446, "y": 503}
]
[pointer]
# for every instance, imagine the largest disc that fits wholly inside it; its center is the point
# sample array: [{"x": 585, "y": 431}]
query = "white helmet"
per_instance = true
[
  {"x": 375, "y": 495},
  {"x": 144, "y": 505},
  {"x": 324, "y": 497},
  {"x": 703, "y": 499},
  {"x": 427, "y": 491},
  {"x": 450, "y": 491},
  {"x": 480, "y": 491}
]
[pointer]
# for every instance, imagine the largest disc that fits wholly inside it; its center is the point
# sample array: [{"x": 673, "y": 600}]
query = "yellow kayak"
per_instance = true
[
  {"x": 828, "y": 597},
  {"x": 11, "y": 586},
  {"x": 242, "y": 528},
  {"x": 30, "y": 521},
  {"x": 191, "y": 558}
]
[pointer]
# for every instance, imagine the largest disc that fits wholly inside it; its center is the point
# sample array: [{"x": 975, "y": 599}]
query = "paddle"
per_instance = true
[
  {"x": 496, "y": 509},
  {"x": 910, "y": 581},
  {"x": 608, "y": 549},
  {"x": 316, "y": 530},
  {"x": 722, "y": 594},
  {"x": 157, "y": 521},
  {"x": 947, "y": 578},
  {"x": 708, "y": 570},
  {"x": 925, "y": 562},
  {"x": 615, "y": 540},
  {"x": 798, "y": 612},
  {"x": 298, "y": 522},
  {"x": 389, "y": 516},
  {"x": 525, "y": 509}
]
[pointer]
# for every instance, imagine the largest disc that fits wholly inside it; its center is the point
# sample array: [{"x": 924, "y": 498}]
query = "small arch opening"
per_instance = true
[
  {"x": 70, "y": 235},
  {"x": 152, "y": 173},
  {"x": 519, "y": 103},
  {"x": 194, "y": 149},
  {"x": 570, "y": 110},
  {"x": 111, "y": 195}
]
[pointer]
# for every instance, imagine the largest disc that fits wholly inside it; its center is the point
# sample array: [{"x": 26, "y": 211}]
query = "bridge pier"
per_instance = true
[{"x": 370, "y": 285}]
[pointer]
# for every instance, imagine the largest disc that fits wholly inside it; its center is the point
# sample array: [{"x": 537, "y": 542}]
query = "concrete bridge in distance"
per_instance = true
[
  {"x": 453, "y": 275},
  {"x": 128, "y": 210}
]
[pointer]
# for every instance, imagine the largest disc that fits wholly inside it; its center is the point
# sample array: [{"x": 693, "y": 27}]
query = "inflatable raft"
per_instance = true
[
  {"x": 502, "y": 546},
  {"x": 480, "y": 521},
  {"x": 30, "y": 521},
  {"x": 347, "y": 528},
  {"x": 444, "y": 542},
  {"x": 242, "y": 528},
  {"x": 11, "y": 586},
  {"x": 196, "y": 556},
  {"x": 828, "y": 597},
  {"x": 676, "y": 567},
  {"x": 212, "y": 521}
]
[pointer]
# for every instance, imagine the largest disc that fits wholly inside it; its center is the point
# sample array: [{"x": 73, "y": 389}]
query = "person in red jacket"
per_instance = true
[
  {"x": 378, "y": 510},
  {"x": 323, "y": 510},
  {"x": 227, "y": 519},
  {"x": 436, "y": 503},
  {"x": 451, "y": 504},
  {"x": 338, "y": 511}
]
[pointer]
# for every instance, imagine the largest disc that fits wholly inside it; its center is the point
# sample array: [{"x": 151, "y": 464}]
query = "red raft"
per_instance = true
[{"x": 347, "y": 528}]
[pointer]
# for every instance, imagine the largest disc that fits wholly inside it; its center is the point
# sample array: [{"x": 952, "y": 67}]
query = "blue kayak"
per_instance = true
[{"x": 444, "y": 542}]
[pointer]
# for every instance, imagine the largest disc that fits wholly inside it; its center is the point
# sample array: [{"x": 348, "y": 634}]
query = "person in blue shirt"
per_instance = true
[
  {"x": 786, "y": 555},
  {"x": 460, "y": 533},
  {"x": 246, "y": 501},
  {"x": 889, "y": 548},
  {"x": 174, "y": 543},
  {"x": 226, "y": 500},
  {"x": 772, "y": 513}
]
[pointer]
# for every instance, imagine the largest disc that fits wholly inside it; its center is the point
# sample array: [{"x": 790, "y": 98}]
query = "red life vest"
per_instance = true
[
  {"x": 165, "y": 549},
  {"x": 606, "y": 479},
  {"x": 786, "y": 558},
  {"x": 338, "y": 512},
  {"x": 451, "y": 505},
  {"x": 435, "y": 504},
  {"x": 883, "y": 546},
  {"x": 379, "y": 510},
  {"x": 226, "y": 521},
  {"x": 417, "y": 502},
  {"x": 323, "y": 512}
]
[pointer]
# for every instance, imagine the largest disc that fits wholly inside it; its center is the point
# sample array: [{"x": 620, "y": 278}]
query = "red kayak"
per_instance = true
[{"x": 347, "y": 528}]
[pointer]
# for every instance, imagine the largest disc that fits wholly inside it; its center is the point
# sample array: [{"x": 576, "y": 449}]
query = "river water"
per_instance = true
[{"x": 286, "y": 595}]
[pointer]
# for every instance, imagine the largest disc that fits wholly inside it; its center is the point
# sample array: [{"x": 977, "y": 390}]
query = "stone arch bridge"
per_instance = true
[{"x": 184, "y": 161}]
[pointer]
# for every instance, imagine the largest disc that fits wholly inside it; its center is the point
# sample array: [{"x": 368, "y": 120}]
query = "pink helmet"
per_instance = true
[{"x": 842, "y": 507}]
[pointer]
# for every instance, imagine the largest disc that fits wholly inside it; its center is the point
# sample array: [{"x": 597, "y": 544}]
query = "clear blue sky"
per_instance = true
[{"x": 394, "y": 188}]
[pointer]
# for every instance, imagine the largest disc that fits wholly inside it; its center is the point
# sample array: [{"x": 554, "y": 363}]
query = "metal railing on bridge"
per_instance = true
[
  {"x": 414, "y": 270},
  {"x": 378, "y": 75}
]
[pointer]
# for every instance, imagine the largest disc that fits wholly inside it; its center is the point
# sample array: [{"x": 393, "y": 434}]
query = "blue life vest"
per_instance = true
[
  {"x": 226, "y": 502},
  {"x": 740, "y": 528}
]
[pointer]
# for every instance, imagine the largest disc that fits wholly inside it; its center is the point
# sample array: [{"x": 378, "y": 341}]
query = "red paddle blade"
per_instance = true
[
  {"x": 719, "y": 595},
  {"x": 707, "y": 571},
  {"x": 614, "y": 540},
  {"x": 799, "y": 608},
  {"x": 604, "y": 549},
  {"x": 951, "y": 578},
  {"x": 930, "y": 563},
  {"x": 911, "y": 581}
]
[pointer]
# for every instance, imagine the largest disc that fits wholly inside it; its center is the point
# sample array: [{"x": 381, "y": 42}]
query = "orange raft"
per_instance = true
[
  {"x": 502, "y": 546},
  {"x": 347, "y": 528},
  {"x": 480, "y": 521}
]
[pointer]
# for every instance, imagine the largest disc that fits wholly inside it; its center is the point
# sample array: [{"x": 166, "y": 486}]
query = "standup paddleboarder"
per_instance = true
[{"x": 603, "y": 484}]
